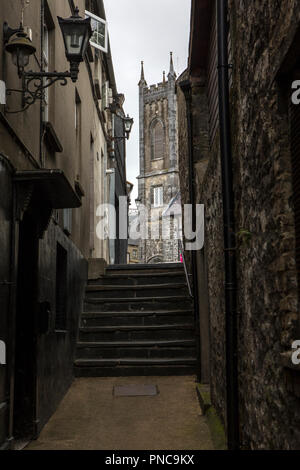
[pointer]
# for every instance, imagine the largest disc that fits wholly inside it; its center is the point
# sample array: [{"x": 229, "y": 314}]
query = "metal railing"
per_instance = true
[{"x": 187, "y": 275}]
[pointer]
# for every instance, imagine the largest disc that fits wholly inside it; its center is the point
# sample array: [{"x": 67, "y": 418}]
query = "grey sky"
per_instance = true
[{"x": 145, "y": 30}]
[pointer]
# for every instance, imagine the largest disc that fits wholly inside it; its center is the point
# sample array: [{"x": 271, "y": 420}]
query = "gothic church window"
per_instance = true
[
  {"x": 157, "y": 141},
  {"x": 158, "y": 196}
]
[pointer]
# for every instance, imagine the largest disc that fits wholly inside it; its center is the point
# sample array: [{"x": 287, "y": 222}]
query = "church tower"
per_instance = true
[{"x": 158, "y": 179}]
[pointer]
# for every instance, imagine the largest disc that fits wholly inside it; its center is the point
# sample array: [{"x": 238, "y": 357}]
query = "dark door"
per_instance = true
[
  {"x": 25, "y": 365},
  {"x": 6, "y": 322}
]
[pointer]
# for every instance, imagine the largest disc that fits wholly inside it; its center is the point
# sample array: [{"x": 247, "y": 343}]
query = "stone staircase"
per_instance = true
[{"x": 137, "y": 320}]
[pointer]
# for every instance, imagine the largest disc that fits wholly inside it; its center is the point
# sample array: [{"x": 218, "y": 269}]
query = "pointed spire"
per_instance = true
[
  {"x": 142, "y": 71},
  {"x": 142, "y": 80},
  {"x": 172, "y": 71},
  {"x": 164, "y": 77}
]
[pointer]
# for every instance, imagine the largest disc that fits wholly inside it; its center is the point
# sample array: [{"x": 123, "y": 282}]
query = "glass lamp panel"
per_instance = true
[
  {"x": 74, "y": 44},
  {"x": 20, "y": 58}
]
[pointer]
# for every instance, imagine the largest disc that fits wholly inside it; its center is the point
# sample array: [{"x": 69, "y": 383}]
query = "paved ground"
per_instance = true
[{"x": 91, "y": 418}]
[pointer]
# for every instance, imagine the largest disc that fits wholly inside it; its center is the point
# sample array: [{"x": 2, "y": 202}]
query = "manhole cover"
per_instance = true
[{"x": 136, "y": 391}]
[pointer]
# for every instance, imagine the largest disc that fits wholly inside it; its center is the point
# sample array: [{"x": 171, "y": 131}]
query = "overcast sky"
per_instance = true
[{"x": 145, "y": 30}]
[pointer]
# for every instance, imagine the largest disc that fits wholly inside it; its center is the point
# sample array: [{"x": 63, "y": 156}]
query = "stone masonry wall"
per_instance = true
[{"x": 262, "y": 32}]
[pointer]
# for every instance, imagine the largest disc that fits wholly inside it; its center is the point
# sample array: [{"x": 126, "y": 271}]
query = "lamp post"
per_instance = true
[{"x": 76, "y": 33}]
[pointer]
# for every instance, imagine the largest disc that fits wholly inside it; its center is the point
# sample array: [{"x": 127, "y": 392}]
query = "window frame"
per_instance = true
[
  {"x": 104, "y": 49},
  {"x": 158, "y": 196}
]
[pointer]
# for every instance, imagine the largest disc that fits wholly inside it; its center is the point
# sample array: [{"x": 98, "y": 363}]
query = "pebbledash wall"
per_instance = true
[{"x": 264, "y": 50}]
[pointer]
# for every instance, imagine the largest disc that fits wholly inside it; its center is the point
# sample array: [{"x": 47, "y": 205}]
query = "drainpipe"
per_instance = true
[
  {"x": 42, "y": 70},
  {"x": 187, "y": 90},
  {"x": 112, "y": 221},
  {"x": 229, "y": 231}
]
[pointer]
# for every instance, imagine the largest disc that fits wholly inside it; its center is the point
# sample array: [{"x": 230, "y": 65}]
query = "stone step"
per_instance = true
[
  {"x": 140, "y": 278},
  {"x": 137, "y": 320},
  {"x": 134, "y": 367},
  {"x": 144, "y": 268},
  {"x": 159, "y": 290},
  {"x": 135, "y": 370},
  {"x": 132, "y": 362},
  {"x": 136, "y": 332},
  {"x": 137, "y": 349},
  {"x": 112, "y": 304},
  {"x": 159, "y": 317}
]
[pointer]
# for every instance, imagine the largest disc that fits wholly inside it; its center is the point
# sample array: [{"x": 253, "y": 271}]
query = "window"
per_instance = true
[
  {"x": 61, "y": 288},
  {"x": 158, "y": 196},
  {"x": 99, "y": 39},
  {"x": 67, "y": 221},
  {"x": 157, "y": 141}
]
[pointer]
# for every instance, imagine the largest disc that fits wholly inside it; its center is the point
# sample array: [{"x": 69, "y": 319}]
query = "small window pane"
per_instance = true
[
  {"x": 99, "y": 27},
  {"x": 158, "y": 196}
]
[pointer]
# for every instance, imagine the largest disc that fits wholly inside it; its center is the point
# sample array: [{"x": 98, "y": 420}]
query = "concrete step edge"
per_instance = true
[
  {"x": 95, "y": 287},
  {"x": 137, "y": 267},
  {"x": 136, "y": 344},
  {"x": 130, "y": 361},
  {"x": 96, "y": 329},
  {"x": 136, "y": 313},
  {"x": 138, "y": 299}
]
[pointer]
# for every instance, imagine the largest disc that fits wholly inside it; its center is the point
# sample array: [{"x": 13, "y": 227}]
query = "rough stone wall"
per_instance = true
[
  {"x": 268, "y": 311},
  {"x": 166, "y": 248},
  {"x": 262, "y": 34},
  {"x": 211, "y": 197},
  {"x": 158, "y": 102},
  {"x": 207, "y": 192}
]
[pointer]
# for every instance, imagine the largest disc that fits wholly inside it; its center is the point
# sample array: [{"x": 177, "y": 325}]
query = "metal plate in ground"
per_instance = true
[{"x": 135, "y": 391}]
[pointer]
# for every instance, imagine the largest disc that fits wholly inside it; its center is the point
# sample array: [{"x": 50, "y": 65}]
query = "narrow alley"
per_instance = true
[
  {"x": 91, "y": 417},
  {"x": 149, "y": 226}
]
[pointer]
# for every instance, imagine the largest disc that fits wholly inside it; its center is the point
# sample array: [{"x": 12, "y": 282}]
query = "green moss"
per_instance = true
[
  {"x": 216, "y": 429},
  {"x": 215, "y": 425}
]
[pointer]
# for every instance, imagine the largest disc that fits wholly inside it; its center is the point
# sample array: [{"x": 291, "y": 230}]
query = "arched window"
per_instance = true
[{"x": 157, "y": 140}]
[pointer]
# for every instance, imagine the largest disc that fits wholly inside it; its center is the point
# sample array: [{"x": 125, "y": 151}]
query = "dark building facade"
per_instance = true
[
  {"x": 263, "y": 60},
  {"x": 47, "y": 210}
]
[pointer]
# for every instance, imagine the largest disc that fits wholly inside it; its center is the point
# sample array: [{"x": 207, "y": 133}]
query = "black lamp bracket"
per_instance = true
[
  {"x": 8, "y": 32},
  {"x": 34, "y": 85}
]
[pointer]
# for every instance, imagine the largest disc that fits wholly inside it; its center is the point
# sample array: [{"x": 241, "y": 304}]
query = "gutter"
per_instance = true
[{"x": 232, "y": 400}]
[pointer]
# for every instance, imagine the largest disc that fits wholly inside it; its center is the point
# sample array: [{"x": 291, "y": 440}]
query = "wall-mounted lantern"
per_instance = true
[
  {"x": 76, "y": 33},
  {"x": 128, "y": 123}
]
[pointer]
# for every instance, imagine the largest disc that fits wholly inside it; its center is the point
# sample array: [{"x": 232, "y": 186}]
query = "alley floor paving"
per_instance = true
[{"x": 91, "y": 418}]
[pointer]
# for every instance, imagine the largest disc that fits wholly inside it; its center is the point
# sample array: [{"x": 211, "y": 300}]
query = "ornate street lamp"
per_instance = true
[
  {"x": 128, "y": 123},
  {"x": 21, "y": 48},
  {"x": 76, "y": 33}
]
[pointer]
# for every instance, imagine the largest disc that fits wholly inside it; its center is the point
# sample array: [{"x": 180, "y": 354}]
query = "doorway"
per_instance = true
[{"x": 25, "y": 352}]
